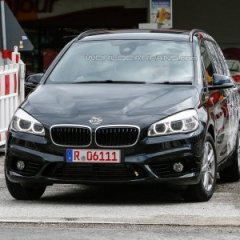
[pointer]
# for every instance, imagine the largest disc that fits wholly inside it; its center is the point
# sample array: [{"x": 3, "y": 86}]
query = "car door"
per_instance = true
[
  {"x": 233, "y": 102},
  {"x": 220, "y": 101}
]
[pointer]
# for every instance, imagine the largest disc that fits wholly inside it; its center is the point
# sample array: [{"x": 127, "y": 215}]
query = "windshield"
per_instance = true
[{"x": 140, "y": 61}]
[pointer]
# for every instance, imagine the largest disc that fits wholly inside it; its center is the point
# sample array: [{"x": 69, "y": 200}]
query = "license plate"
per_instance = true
[{"x": 93, "y": 156}]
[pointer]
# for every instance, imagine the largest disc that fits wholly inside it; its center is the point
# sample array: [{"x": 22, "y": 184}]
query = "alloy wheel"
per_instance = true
[{"x": 208, "y": 167}]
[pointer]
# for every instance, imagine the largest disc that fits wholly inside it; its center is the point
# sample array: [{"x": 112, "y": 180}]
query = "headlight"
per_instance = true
[
  {"x": 183, "y": 122},
  {"x": 23, "y": 122}
]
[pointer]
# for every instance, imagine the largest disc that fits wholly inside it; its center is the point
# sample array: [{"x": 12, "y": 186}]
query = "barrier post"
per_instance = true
[
  {"x": 12, "y": 78},
  {"x": 21, "y": 82}
]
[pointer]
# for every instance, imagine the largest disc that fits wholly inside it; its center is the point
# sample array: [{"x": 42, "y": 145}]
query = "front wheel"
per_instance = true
[
  {"x": 204, "y": 190},
  {"x": 21, "y": 192}
]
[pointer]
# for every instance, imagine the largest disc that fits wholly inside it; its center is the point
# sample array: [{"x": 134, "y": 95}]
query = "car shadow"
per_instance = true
[{"x": 113, "y": 194}]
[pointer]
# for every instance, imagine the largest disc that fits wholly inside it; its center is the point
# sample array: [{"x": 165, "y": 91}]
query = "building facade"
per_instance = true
[{"x": 51, "y": 23}]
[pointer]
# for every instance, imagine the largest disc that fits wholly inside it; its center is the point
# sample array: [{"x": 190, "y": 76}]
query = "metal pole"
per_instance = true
[
  {"x": 4, "y": 37},
  {"x": 149, "y": 11},
  {"x": 3, "y": 25}
]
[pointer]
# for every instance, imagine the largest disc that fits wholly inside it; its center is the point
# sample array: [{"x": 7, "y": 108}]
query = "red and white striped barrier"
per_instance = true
[
  {"x": 11, "y": 92},
  {"x": 8, "y": 80},
  {"x": 2, "y": 138}
]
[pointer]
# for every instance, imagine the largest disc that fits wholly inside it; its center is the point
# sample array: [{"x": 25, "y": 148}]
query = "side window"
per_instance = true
[
  {"x": 223, "y": 61},
  {"x": 215, "y": 57},
  {"x": 209, "y": 70}
]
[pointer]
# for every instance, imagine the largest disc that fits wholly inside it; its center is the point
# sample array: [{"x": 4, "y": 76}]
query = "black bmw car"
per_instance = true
[{"x": 128, "y": 106}]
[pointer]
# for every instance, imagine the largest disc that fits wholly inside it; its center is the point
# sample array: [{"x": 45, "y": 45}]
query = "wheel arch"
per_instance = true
[{"x": 211, "y": 131}]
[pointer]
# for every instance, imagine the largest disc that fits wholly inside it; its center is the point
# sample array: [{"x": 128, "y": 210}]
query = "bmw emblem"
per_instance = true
[{"x": 95, "y": 120}]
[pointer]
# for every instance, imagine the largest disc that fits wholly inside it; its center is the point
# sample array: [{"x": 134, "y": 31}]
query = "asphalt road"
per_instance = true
[
  {"x": 110, "y": 232},
  {"x": 117, "y": 212}
]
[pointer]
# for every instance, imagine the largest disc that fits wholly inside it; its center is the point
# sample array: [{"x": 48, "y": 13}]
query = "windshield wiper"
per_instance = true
[
  {"x": 175, "y": 83},
  {"x": 110, "y": 81}
]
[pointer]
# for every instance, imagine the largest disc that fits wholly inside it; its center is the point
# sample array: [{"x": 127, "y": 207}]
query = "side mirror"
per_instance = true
[
  {"x": 31, "y": 82},
  {"x": 221, "y": 81}
]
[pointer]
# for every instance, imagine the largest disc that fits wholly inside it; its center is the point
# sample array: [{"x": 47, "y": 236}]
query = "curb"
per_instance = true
[{"x": 117, "y": 224}]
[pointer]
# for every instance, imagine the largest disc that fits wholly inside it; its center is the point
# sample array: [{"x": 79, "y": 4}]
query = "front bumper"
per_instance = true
[{"x": 150, "y": 160}]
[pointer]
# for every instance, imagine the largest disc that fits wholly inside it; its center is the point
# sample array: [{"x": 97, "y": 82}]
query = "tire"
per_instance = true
[
  {"x": 232, "y": 173},
  {"x": 204, "y": 190},
  {"x": 21, "y": 192}
]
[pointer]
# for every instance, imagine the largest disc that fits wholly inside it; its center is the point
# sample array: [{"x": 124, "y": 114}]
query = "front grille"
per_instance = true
[
  {"x": 71, "y": 135},
  {"x": 95, "y": 172},
  {"x": 117, "y": 136}
]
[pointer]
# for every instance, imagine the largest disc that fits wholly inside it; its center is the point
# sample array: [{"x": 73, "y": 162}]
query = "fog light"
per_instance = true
[
  {"x": 178, "y": 167},
  {"x": 20, "y": 165}
]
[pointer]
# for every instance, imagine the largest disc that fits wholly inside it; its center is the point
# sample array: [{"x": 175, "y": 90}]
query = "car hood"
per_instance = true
[{"x": 72, "y": 101}]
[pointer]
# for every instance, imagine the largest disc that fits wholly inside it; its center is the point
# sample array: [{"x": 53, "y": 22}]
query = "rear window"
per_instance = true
[{"x": 233, "y": 65}]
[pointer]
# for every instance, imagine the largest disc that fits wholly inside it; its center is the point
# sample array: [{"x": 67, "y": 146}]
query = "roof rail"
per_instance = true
[
  {"x": 91, "y": 32},
  {"x": 101, "y": 31},
  {"x": 193, "y": 32}
]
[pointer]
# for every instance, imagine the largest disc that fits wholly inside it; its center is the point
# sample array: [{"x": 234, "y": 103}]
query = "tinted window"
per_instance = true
[
  {"x": 149, "y": 61},
  {"x": 215, "y": 58},
  {"x": 207, "y": 62},
  {"x": 223, "y": 61}
]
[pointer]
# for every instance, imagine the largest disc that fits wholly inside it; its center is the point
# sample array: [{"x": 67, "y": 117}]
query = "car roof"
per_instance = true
[{"x": 174, "y": 35}]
